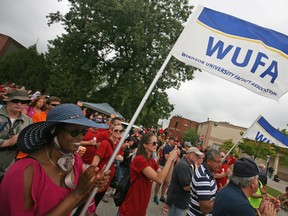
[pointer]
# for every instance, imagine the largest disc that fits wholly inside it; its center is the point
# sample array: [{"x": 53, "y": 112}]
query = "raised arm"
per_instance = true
[{"x": 160, "y": 176}]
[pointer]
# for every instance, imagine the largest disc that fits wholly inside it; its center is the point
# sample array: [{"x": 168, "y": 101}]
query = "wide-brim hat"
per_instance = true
[
  {"x": 35, "y": 135},
  {"x": 16, "y": 94}
]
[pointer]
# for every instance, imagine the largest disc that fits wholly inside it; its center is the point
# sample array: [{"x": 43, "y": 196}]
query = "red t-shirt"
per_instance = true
[
  {"x": 103, "y": 135},
  {"x": 231, "y": 160},
  {"x": 138, "y": 196},
  {"x": 105, "y": 151},
  {"x": 90, "y": 152},
  {"x": 221, "y": 182}
]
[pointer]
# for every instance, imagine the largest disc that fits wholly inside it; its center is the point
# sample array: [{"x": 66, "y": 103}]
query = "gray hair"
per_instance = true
[
  {"x": 211, "y": 154},
  {"x": 242, "y": 182}
]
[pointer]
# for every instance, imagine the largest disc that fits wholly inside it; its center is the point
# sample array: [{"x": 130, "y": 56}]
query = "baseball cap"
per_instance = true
[
  {"x": 245, "y": 167},
  {"x": 187, "y": 144},
  {"x": 195, "y": 150}
]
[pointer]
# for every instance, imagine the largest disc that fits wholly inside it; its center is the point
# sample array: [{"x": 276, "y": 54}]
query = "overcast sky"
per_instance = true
[{"x": 207, "y": 96}]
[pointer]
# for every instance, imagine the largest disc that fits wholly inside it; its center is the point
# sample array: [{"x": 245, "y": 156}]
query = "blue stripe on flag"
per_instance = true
[
  {"x": 238, "y": 27},
  {"x": 272, "y": 131}
]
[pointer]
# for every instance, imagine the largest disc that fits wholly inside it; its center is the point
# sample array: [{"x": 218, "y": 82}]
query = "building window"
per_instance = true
[
  {"x": 216, "y": 146},
  {"x": 176, "y": 124}
]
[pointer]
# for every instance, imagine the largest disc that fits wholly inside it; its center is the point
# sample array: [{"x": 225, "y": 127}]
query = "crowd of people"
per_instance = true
[{"x": 52, "y": 155}]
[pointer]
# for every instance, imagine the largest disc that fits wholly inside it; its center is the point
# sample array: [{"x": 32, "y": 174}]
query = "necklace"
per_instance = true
[{"x": 48, "y": 156}]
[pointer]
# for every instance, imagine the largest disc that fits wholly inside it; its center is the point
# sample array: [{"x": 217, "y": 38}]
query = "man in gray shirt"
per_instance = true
[{"x": 179, "y": 190}]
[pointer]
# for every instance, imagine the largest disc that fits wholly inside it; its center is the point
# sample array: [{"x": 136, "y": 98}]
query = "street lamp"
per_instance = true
[{"x": 267, "y": 165}]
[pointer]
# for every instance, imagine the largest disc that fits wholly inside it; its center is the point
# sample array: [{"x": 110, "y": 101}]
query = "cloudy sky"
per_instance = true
[{"x": 206, "y": 96}]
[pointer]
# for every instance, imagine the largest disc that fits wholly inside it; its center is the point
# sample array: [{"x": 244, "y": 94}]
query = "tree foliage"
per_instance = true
[
  {"x": 25, "y": 67},
  {"x": 227, "y": 145},
  {"x": 112, "y": 51},
  {"x": 191, "y": 136},
  {"x": 257, "y": 149}
]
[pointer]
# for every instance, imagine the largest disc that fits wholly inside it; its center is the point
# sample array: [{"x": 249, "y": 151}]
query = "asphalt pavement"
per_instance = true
[
  {"x": 280, "y": 186},
  {"x": 109, "y": 209}
]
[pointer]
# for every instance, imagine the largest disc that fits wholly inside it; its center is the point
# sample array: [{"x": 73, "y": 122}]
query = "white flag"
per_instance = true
[
  {"x": 236, "y": 50},
  {"x": 262, "y": 131}
]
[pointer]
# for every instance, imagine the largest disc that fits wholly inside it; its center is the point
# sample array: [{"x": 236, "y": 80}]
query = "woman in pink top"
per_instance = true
[
  {"x": 36, "y": 106},
  {"x": 51, "y": 180},
  {"x": 143, "y": 171}
]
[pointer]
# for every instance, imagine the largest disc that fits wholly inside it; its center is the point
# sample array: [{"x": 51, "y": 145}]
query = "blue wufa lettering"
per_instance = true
[
  {"x": 265, "y": 66},
  {"x": 261, "y": 138}
]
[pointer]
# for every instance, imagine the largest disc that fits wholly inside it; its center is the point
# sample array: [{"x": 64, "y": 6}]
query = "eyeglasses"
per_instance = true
[
  {"x": 118, "y": 131},
  {"x": 54, "y": 105},
  {"x": 75, "y": 133},
  {"x": 153, "y": 143},
  {"x": 16, "y": 101}
]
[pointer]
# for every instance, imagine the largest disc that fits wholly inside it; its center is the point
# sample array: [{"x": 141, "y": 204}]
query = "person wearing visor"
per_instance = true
[
  {"x": 51, "y": 180},
  {"x": 12, "y": 121}
]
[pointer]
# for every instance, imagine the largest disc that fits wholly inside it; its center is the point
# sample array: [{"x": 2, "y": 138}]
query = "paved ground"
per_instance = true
[
  {"x": 280, "y": 186},
  {"x": 109, "y": 209}
]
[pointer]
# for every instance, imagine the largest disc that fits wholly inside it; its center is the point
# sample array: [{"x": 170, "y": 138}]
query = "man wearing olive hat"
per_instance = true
[
  {"x": 12, "y": 121},
  {"x": 232, "y": 199}
]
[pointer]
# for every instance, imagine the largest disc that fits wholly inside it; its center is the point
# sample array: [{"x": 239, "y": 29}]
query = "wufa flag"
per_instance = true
[
  {"x": 262, "y": 131},
  {"x": 236, "y": 50}
]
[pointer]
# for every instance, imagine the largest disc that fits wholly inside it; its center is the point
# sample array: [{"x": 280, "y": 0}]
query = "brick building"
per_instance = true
[
  {"x": 178, "y": 126},
  {"x": 8, "y": 45},
  {"x": 211, "y": 133}
]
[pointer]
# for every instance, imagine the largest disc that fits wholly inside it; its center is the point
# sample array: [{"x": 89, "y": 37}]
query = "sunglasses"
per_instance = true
[
  {"x": 54, "y": 105},
  {"x": 16, "y": 101},
  {"x": 153, "y": 143},
  {"x": 75, "y": 133},
  {"x": 118, "y": 131}
]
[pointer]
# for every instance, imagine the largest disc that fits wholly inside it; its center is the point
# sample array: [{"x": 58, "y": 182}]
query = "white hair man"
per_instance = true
[{"x": 232, "y": 200}]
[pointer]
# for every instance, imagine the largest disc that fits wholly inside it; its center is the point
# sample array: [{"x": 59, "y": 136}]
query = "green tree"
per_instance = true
[
  {"x": 191, "y": 136},
  {"x": 283, "y": 151},
  {"x": 227, "y": 145},
  {"x": 25, "y": 67},
  {"x": 113, "y": 50},
  {"x": 257, "y": 149}
]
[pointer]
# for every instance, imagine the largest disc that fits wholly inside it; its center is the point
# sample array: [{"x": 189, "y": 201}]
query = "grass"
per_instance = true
[{"x": 273, "y": 192}]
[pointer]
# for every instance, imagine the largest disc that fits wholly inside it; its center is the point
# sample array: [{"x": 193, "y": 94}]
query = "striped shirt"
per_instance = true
[{"x": 203, "y": 188}]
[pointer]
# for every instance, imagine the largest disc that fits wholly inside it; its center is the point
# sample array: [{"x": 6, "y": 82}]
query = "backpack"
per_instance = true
[{"x": 122, "y": 188}]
